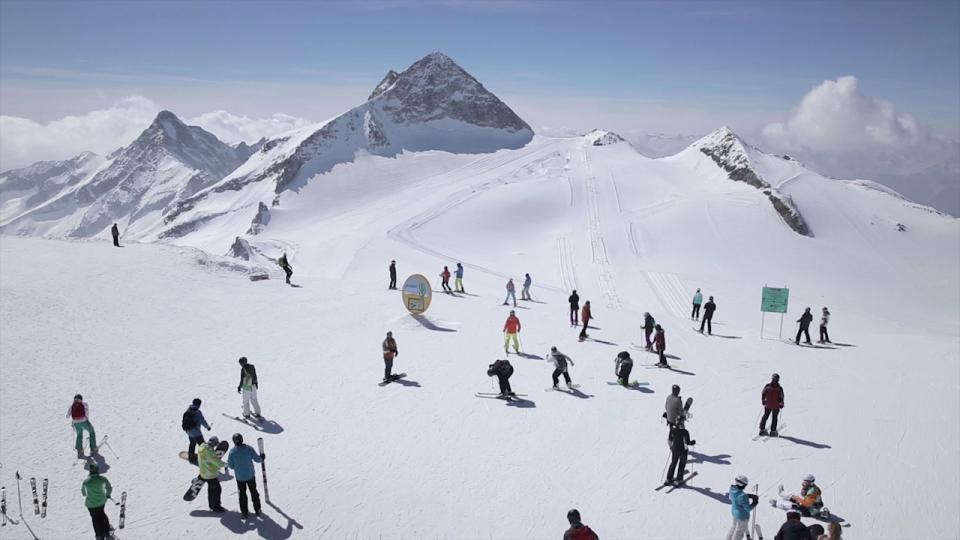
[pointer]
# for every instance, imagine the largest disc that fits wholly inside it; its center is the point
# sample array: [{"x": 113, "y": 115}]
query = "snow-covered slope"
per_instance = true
[{"x": 22, "y": 190}]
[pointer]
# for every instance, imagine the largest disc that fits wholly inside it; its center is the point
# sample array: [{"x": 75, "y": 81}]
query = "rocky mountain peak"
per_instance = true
[{"x": 385, "y": 83}]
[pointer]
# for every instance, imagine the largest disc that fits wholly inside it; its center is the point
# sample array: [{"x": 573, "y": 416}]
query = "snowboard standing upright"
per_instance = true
[{"x": 197, "y": 483}]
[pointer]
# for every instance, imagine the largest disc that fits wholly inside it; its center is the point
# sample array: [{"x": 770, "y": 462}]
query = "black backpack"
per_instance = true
[{"x": 189, "y": 420}]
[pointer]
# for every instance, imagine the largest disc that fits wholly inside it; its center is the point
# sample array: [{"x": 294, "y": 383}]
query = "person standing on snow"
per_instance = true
[
  {"x": 793, "y": 528},
  {"x": 697, "y": 300},
  {"x": 678, "y": 440},
  {"x": 78, "y": 414},
  {"x": 824, "y": 319},
  {"x": 458, "y": 284},
  {"x": 115, "y": 233},
  {"x": 623, "y": 365},
  {"x": 585, "y": 316},
  {"x": 804, "y": 321},
  {"x": 772, "y": 399},
  {"x": 673, "y": 408},
  {"x": 210, "y": 465},
  {"x": 248, "y": 387},
  {"x": 511, "y": 329},
  {"x": 559, "y": 361},
  {"x": 660, "y": 340},
  {"x": 285, "y": 264},
  {"x": 511, "y": 293},
  {"x": 393, "y": 275},
  {"x": 577, "y": 530},
  {"x": 241, "y": 459},
  {"x": 648, "y": 327},
  {"x": 503, "y": 370},
  {"x": 741, "y": 505},
  {"x": 525, "y": 293},
  {"x": 809, "y": 502},
  {"x": 389, "y": 353},
  {"x": 192, "y": 420},
  {"x": 445, "y": 280},
  {"x": 96, "y": 490},
  {"x": 708, "y": 310},
  {"x": 574, "y": 307}
]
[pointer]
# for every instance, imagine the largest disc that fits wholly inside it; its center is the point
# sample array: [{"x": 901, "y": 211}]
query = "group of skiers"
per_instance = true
[
  {"x": 445, "y": 280},
  {"x": 803, "y": 328}
]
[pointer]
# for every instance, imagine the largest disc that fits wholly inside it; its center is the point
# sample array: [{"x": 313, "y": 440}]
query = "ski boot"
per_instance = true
[
  {"x": 763, "y": 433},
  {"x": 773, "y": 433}
]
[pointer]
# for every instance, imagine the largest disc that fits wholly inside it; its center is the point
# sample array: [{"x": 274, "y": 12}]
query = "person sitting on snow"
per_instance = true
[{"x": 809, "y": 502}]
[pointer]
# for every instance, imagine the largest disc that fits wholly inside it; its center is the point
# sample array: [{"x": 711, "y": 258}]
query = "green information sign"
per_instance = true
[{"x": 774, "y": 300}]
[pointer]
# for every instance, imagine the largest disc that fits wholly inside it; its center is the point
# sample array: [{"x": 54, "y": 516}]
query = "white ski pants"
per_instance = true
[
  {"x": 248, "y": 397},
  {"x": 738, "y": 529}
]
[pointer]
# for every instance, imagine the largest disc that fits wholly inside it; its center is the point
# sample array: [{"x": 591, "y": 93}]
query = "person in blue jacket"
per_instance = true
[
  {"x": 241, "y": 459},
  {"x": 697, "y": 300},
  {"x": 458, "y": 284},
  {"x": 192, "y": 421},
  {"x": 741, "y": 503}
]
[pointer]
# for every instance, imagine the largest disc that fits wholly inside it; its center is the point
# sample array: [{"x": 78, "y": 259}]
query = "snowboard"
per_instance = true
[
  {"x": 197, "y": 483},
  {"x": 393, "y": 377},
  {"x": 686, "y": 409}
]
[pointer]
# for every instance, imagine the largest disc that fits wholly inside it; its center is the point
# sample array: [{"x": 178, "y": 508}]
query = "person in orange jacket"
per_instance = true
[
  {"x": 585, "y": 316},
  {"x": 511, "y": 329}
]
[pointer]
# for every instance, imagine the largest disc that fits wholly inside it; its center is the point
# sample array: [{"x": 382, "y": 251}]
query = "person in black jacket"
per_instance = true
[
  {"x": 793, "y": 528},
  {"x": 248, "y": 387},
  {"x": 503, "y": 370},
  {"x": 574, "y": 308},
  {"x": 115, "y": 232},
  {"x": 708, "y": 310},
  {"x": 393, "y": 275},
  {"x": 804, "y": 321},
  {"x": 285, "y": 265},
  {"x": 678, "y": 440}
]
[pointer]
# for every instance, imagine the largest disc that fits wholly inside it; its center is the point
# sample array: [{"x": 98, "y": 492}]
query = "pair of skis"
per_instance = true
[
  {"x": 753, "y": 530},
  {"x": 37, "y": 509}
]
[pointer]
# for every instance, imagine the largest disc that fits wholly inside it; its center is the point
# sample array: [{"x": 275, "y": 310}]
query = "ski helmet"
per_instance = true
[
  {"x": 237, "y": 439},
  {"x": 78, "y": 396},
  {"x": 676, "y": 390},
  {"x": 93, "y": 468},
  {"x": 389, "y": 334},
  {"x": 512, "y": 312},
  {"x": 573, "y": 516},
  {"x": 196, "y": 402},
  {"x": 776, "y": 377},
  {"x": 553, "y": 349},
  {"x": 741, "y": 480},
  {"x": 213, "y": 441},
  {"x": 623, "y": 354},
  {"x": 243, "y": 360},
  {"x": 658, "y": 327},
  {"x": 809, "y": 479}
]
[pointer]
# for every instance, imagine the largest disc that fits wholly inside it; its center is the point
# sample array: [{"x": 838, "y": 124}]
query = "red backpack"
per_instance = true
[{"x": 78, "y": 411}]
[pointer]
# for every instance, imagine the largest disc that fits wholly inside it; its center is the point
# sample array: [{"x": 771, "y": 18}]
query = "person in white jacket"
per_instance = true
[
  {"x": 560, "y": 362},
  {"x": 824, "y": 319}
]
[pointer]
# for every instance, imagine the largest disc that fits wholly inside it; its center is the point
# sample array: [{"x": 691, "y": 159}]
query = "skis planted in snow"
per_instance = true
[
  {"x": 3, "y": 504},
  {"x": 263, "y": 470},
  {"x": 36, "y": 501},
  {"x": 123, "y": 509},
  {"x": 43, "y": 505}
]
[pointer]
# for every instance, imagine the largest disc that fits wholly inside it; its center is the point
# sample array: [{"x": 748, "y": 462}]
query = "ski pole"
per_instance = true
[
  {"x": 114, "y": 501},
  {"x": 19, "y": 499},
  {"x": 106, "y": 443}
]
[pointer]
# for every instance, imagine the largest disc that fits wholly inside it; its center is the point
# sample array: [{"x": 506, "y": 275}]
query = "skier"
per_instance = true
[
  {"x": 824, "y": 319},
  {"x": 511, "y": 292},
  {"x": 241, "y": 459},
  {"x": 503, "y": 370},
  {"x": 389, "y": 353},
  {"x": 577, "y": 530},
  {"x": 678, "y": 440},
  {"x": 697, "y": 300},
  {"x": 445, "y": 280},
  {"x": 574, "y": 307},
  {"x": 648, "y": 326},
  {"x": 660, "y": 340},
  {"x": 585, "y": 316},
  {"x": 772, "y": 399},
  {"x": 115, "y": 232},
  {"x": 210, "y": 465},
  {"x": 793, "y": 528},
  {"x": 804, "y": 321},
  {"x": 97, "y": 489},
  {"x": 741, "y": 504},
  {"x": 673, "y": 406},
  {"x": 393, "y": 275},
  {"x": 458, "y": 284},
  {"x": 282, "y": 261},
  {"x": 511, "y": 329},
  {"x": 623, "y": 365},
  {"x": 559, "y": 361},
  {"x": 708, "y": 310},
  {"x": 192, "y": 420},
  {"x": 78, "y": 414},
  {"x": 808, "y": 503},
  {"x": 525, "y": 293},
  {"x": 248, "y": 387}
]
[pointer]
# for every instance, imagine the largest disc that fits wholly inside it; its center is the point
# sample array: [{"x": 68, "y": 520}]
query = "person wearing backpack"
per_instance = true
[
  {"x": 192, "y": 421},
  {"x": 77, "y": 413},
  {"x": 503, "y": 370}
]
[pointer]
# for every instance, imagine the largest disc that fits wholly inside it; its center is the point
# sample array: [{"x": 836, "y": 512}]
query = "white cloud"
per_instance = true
[{"x": 232, "y": 128}]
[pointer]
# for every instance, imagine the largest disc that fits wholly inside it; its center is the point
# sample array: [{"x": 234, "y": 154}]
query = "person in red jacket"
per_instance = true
[
  {"x": 585, "y": 316},
  {"x": 772, "y": 399},
  {"x": 445, "y": 280},
  {"x": 660, "y": 343},
  {"x": 577, "y": 530},
  {"x": 510, "y": 330}
]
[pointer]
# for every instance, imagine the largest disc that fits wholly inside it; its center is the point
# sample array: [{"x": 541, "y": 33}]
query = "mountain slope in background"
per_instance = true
[{"x": 22, "y": 190}]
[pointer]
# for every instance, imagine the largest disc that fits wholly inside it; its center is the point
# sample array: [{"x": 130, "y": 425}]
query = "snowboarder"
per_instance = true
[
  {"x": 808, "y": 503},
  {"x": 708, "y": 310},
  {"x": 525, "y": 293},
  {"x": 393, "y": 275},
  {"x": 660, "y": 340},
  {"x": 824, "y": 319},
  {"x": 772, "y": 399},
  {"x": 115, "y": 232},
  {"x": 511, "y": 293},
  {"x": 623, "y": 365},
  {"x": 511, "y": 329},
  {"x": 503, "y": 370},
  {"x": 285, "y": 264},
  {"x": 445, "y": 280},
  {"x": 574, "y": 307},
  {"x": 192, "y": 421},
  {"x": 585, "y": 316},
  {"x": 793, "y": 528},
  {"x": 78, "y": 414},
  {"x": 648, "y": 326},
  {"x": 458, "y": 284},
  {"x": 577, "y": 530},
  {"x": 248, "y": 387},
  {"x": 697, "y": 300},
  {"x": 804, "y": 321},
  {"x": 210, "y": 465},
  {"x": 559, "y": 361},
  {"x": 678, "y": 440},
  {"x": 241, "y": 459},
  {"x": 389, "y": 353},
  {"x": 673, "y": 406},
  {"x": 741, "y": 503},
  {"x": 97, "y": 489}
]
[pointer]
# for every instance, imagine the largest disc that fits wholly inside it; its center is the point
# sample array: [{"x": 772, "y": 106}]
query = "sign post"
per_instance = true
[
  {"x": 417, "y": 294},
  {"x": 773, "y": 300}
]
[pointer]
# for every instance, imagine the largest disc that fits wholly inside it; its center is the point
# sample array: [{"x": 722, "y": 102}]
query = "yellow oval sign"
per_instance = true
[{"x": 417, "y": 294}]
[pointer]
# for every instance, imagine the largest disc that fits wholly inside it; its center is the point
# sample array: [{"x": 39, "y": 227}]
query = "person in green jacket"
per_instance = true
[
  {"x": 210, "y": 465},
  {"x": 97, "y": 490}
]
